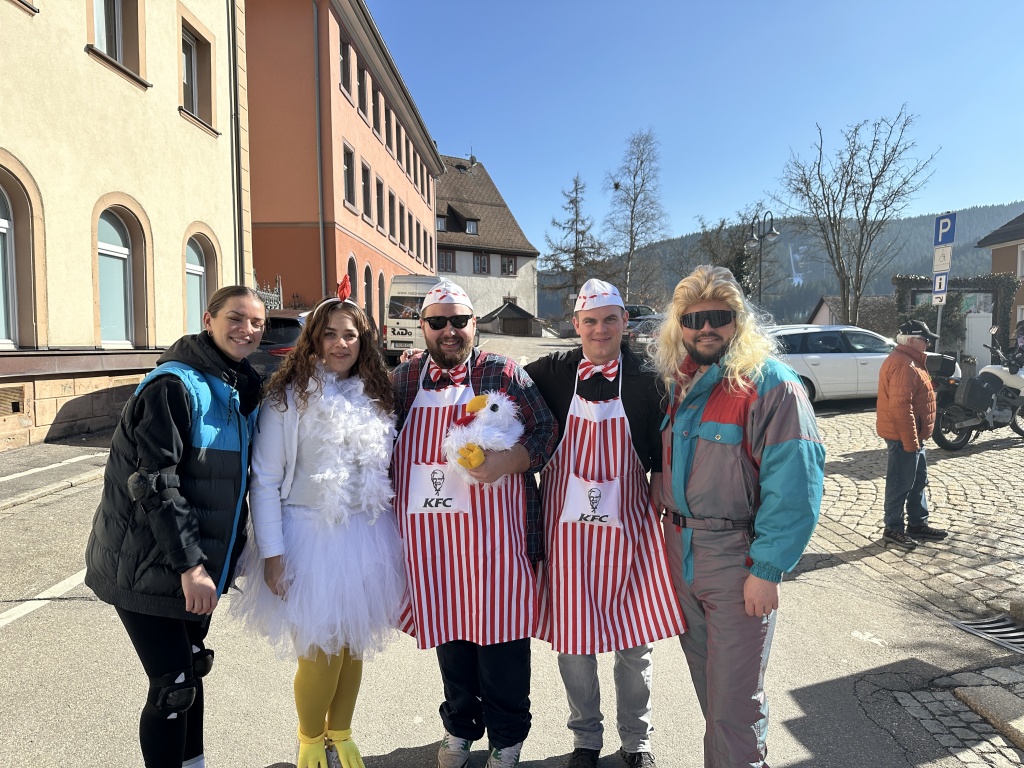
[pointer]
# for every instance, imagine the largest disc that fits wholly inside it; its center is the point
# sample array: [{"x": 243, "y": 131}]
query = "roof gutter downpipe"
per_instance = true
[{"x": 319, "y": 154}]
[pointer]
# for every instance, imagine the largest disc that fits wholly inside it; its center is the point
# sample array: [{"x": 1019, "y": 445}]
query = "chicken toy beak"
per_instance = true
[{"x": 478, "y": 403}]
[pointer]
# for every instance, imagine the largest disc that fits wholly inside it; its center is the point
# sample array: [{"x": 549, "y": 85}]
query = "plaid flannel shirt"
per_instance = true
[{"x": 489, "y": 373}]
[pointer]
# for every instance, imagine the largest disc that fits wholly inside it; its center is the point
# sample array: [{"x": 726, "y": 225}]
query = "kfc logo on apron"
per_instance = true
[{"x": 594, "y": 497}]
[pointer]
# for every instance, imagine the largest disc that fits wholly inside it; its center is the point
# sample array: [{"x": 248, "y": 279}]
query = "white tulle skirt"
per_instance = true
[{"x": 346, "y": 584}]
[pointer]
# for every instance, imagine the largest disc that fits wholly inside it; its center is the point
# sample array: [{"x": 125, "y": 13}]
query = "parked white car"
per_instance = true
[{"x": 834, "y": 361}]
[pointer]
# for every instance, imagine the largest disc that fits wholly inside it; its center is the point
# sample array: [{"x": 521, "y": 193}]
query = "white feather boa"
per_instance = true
[{"x": 355, "y": 440}]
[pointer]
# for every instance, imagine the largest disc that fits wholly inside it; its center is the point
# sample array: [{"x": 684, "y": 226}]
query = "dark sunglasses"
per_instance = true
[
  {"x": 438, "y": 322},
  {"x": 717, "y": 317}
]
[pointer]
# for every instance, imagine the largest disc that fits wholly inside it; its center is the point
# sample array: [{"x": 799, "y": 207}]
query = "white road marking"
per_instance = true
[
  {"x": 42, "y": 598},
  {"x": 51, "y": 466},
  {"x": 868, "y": 637}
]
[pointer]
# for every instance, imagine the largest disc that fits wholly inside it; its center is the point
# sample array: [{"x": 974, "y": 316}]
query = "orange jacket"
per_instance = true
[{"x": 906, "y": 400}]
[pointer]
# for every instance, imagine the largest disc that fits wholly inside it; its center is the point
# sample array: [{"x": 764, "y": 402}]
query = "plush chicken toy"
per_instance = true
[{"x": 490, "y": 424}]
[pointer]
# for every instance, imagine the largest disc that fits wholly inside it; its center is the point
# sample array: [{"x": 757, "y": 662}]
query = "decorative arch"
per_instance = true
[
  {"x": 140, "y": 231},
  {"x": 31, "y": 318}
]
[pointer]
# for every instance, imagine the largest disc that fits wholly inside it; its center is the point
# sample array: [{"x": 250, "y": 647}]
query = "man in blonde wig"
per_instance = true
[{"x": 741, "y": 486}]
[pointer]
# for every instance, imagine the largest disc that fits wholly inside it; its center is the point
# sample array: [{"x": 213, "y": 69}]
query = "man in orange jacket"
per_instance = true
[{"x": 905, "y": 419}]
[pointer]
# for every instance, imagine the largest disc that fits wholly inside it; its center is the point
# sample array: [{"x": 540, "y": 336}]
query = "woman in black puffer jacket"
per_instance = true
[{"x": 171, "y": 522}]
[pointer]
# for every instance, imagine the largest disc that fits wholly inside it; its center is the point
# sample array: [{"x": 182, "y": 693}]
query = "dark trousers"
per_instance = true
[
  {"x": 164, "y": 646},
  {"x": 486, "y": 687}
]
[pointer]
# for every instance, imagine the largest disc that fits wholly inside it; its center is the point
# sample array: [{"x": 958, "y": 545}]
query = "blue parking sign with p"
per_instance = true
[{"x": 945, "y": 228}]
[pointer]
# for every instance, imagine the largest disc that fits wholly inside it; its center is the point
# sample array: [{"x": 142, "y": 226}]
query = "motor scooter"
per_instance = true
[{"x": 992, "y": 399}]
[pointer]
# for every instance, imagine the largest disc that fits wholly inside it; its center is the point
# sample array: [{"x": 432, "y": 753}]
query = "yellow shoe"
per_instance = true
[
  {"x": 312, "y": 751},
  {"x": 342, "y": 752}
]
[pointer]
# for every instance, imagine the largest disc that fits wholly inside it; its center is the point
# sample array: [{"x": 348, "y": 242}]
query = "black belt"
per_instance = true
[{"x": 709, "y": 523}]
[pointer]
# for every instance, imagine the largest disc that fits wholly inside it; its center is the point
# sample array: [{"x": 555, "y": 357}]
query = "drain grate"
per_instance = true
[{"x": 1001, "y": 630}]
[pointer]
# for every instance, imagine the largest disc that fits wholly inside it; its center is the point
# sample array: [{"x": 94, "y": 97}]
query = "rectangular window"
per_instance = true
[
  {"x": 380, "y": 203},
  {"x": 1020, "y": 261},
  {"x": 350, "y": 176},
  {"x": 419, "y": 245},
  {"x": 197, "y": 97},
  {"x": 376, "y": 110},
  {"x": 389, "y": 135},
  {"x": 401, "y": 223},
  {"x": 481, "y": 263},
  {"x": 361, "y": 88},
  {"x": 108, "y": 27},
  {"x": 442, "y": 223},
  {"x": 6, "y": 281},
  {"x": 189, "y": 92},
  {"x": 508, "y": 265},
  {"x": 391, "y": 214},
  {"x": 410, "y": 227},
  {"x": 430, "y": 250},
  {"x": 430, "y": 183},
  {"x": 408, "y": 155},
  {"x": 472, "y": 227},
  {"x": 115, "y": 290},
  {"x": 367, "y": 192},
  {"x": 398, "y": 142},
  {"x": 345, "y": 60},
  {"x": 445, "y": 261}
]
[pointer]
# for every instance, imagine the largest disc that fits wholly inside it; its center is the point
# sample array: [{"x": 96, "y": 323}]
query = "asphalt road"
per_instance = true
[{"x": 863, "y": 644}]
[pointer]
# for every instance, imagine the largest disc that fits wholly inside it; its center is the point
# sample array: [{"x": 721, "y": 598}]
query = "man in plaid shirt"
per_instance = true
[{"x": 472, "y": 587}]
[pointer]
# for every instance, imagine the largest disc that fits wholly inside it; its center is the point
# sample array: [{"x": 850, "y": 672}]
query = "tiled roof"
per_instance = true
[
  {"x": 506, "y": 311},
  {"x": 1012, "y": 230},
  {"x": 467, "y": 192}
]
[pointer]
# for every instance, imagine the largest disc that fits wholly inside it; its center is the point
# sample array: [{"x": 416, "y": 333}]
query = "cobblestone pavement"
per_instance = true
[{"x": 975, "y": 493}]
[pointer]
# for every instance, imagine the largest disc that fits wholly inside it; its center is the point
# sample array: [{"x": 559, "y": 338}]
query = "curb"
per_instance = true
[
  {"x": 1002, "y": 709},
  {"x": 46, "y": 490}
]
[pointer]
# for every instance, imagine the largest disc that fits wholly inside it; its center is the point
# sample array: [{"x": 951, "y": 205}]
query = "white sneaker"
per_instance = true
[
  {"x": 507, "y": 757},
  {"x": 453, "y": 752}
]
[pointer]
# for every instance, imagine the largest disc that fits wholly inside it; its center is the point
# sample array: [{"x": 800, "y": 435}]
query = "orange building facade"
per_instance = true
[{"x": 342, "y": 166}]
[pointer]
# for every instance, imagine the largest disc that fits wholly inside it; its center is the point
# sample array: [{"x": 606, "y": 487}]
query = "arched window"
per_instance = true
[
  {"x": 368, "y": 292},
  {"x": 381, "y": 303},
  {"x": 115, "y": 271},
  {"x": 195, "y": 285},
  {"x": 8, "y": 295},
  {"x": 353, "y": 278}
]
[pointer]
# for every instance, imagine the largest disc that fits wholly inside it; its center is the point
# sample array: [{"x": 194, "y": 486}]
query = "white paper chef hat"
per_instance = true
[
  {"x": 447, "y": 292},
  {"x": 597, "y": 293}
]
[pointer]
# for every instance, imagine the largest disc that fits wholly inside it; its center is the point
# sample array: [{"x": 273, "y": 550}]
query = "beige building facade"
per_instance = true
[
  {"x": 343, "y": 167},
  {"x": 124, "y": 197}
]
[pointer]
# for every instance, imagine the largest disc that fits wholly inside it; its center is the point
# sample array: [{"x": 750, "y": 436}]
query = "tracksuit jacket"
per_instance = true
[{"x": 752, "y": 454}]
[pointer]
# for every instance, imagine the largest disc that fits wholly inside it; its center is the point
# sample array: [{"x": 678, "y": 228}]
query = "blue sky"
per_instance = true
[{"x": 543, "y": 90}]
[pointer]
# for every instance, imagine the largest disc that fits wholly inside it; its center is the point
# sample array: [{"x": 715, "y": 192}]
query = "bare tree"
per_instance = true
[
  {"x": 636, "y": 217},
  {"x": 723, "y": 243},
  {"x": 846, "y": 201},
  {"x": 574, "y": 251}
]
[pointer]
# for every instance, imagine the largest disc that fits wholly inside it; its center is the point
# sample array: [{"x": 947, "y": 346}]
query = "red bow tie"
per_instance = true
[
  {"x": 609, "y": 370},
  {"x": 456, "y": 374}
]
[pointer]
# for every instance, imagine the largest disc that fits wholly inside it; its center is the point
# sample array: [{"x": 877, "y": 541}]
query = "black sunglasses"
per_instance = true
[
  {"x": 717, "y": 317},
  {"x": 438, "y": 322}
]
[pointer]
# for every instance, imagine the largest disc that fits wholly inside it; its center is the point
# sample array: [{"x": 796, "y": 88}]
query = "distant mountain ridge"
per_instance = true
[{"x": 798, "y": 257}]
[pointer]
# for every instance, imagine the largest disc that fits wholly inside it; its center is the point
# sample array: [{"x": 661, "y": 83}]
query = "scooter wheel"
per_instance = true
[{"x": 1017, "y": 421}]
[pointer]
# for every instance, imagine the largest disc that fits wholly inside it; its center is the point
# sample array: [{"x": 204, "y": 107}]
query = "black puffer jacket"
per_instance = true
[{"x": 175, "y": 481}]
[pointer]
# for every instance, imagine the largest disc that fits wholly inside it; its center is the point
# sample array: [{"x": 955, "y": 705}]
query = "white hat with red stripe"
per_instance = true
[
  {"x": 597, "y": 293},
  {"x": 447, "y": 292}
]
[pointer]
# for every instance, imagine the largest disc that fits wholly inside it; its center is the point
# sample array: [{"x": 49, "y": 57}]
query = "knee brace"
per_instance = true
[
  {"x": 202, "y": 661},
  {"x": 172, "y": 693}
]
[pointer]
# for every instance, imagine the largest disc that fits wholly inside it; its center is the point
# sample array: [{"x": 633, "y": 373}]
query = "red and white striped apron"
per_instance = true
[
  {"x": 465, "y": 545},
  {"x": 605, "y": 585}
]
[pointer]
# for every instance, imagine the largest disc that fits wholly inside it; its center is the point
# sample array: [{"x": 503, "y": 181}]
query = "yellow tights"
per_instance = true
[{"x": 327, "y": 685}]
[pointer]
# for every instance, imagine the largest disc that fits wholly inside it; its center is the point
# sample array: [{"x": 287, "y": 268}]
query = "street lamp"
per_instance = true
[{"x": 760, "y": 230}]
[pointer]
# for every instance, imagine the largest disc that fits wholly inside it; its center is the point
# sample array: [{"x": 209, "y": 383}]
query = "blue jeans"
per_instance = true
[{"x": 906, "y": 476}]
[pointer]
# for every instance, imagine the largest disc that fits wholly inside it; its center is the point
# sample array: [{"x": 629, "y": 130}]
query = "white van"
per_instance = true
[{"x": 405, "y": 298}]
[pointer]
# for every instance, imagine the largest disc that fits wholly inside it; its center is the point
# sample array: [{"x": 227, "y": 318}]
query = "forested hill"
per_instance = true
[{"x": 802, "y": 277}]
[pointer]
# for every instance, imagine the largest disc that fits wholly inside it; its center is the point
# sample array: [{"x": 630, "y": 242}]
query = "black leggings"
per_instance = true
[{"x": 165, "y": 647}]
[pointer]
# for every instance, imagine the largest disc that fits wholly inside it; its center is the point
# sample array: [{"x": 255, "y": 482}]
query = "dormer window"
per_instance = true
[
  {"x": 442, "y": 223},
  {"x": 472, "y": 227}
]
